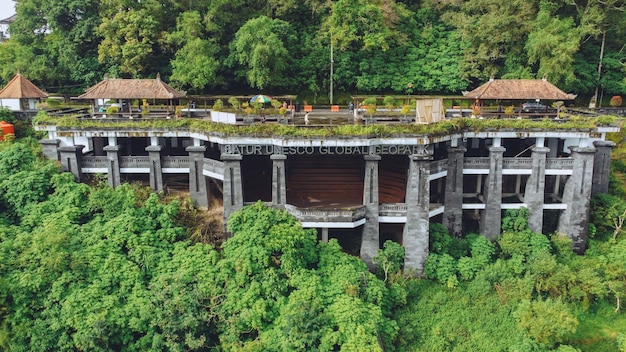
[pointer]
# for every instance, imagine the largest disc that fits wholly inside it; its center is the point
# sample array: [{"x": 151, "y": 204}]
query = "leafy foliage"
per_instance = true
[{"x": 284, "y": 45}]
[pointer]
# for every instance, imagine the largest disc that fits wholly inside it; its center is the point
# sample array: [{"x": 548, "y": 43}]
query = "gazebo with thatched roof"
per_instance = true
[
  {"x": 518, "y": 89},
  {"x": 20, "y": 94},
  {"x": 131, "y": 89}
]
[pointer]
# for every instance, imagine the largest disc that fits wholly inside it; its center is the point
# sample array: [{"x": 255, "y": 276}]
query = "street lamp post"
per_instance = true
[{"x": 331, "y": 69}]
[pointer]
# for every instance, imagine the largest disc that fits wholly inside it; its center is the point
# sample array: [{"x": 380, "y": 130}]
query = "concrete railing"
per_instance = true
[
  {"x": 476, "y": 163},
  {"x": 327, "y": 215},
  {"x": 518, "y": 163},
  {"x": 438, "y": 166},
  {"x": 134, "y": 162},
  {"x": 559, "y": 163},
  {"x": 392, "y": 209},
  {"x": 175, "y": 162},
  {"x": 94, "y": 162},
  {"x": 214, "y": 166}
]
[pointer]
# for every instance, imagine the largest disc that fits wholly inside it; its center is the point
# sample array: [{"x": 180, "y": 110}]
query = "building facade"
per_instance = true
[{"x": 362, "y": 190}]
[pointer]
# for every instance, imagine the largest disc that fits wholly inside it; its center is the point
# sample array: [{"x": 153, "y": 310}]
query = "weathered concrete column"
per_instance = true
[
  {"x": 535, "y": 187},
  {"x": 576, "y": 194},
  {"x": 279, "y": 182},
  {"x": 233, "y": 187},
  {"x": 71, "y": 157},
  {"x": 415, "y": 234},
  {"x": 453, "y": 202},
  {"x": 113, "y": 165},
  {"x": 490, "y": 222},
  {"x": 370, "y": 239},
  {"x": 197, "y": 180},
  {"x": 50, "y": 148},
  {"x": 325, "y": 234},
  {"x": 156, "y": 171},
  {"x": 602, "y": 166}
]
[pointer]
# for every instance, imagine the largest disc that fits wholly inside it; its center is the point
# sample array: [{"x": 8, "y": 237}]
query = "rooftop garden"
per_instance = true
[{"x": 448, "y": 126}]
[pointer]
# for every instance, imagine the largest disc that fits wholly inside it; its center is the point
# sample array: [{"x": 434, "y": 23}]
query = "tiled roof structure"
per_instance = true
[
  {"x": 21, "y": 88},
  {"x": 132, "y": 89},
  {"x": 519, "y": 89}
]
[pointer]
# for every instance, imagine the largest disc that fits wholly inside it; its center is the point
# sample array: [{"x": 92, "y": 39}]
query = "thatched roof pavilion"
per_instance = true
[
  {"x": 130, "y": 89},
  {"x": 21, "y": 94},
  {"x": 518, "y": 89},
  {"x": 21, "y": 88}
]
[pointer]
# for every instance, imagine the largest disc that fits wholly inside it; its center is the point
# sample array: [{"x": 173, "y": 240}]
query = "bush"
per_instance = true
[
  {"x": 53, "y": 103},
  {"x": 234, "y": 102},
  {"x": 616, "y": 100},
  {"x": 218, "y": 105},
  {"x": 389, "y": 102}
]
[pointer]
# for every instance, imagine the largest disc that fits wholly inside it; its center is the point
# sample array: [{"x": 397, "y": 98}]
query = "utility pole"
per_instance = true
[
  {"x": 595, "y": 96},
  {"x": 331, "y": 69}
]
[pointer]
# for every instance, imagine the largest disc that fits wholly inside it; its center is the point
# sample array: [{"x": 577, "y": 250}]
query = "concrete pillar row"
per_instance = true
[
  {"x": 535, "y": 187},
  {"x": 370, "y": 239},
  {"x": 232, "y": 187},
  {"x": 490, "y": 223},
  {"x": 279, "y": 181},
  {"x": 113, "y": 165},
  {"x": 71, "y": 157},
  {"x": 156, "y": 171},
  {"x": 576, "y": 194},
  {"x": 415, "y": 234},
  {"x": 602, "y": 166},
  {"x": 453, "y": 202},
  {"x": 198, "y": 189}
]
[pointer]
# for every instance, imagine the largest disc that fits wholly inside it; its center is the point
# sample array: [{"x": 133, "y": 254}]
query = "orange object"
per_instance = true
[
  {"x": 7, "y": 129},
  {"x": 334, "y": 108},
  {"x": 308, "y": 108}
]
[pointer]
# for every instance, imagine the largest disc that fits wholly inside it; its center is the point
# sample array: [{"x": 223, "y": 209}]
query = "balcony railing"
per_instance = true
[
  {"x": 214, "y": 166},
  {"x": 175, "y": 162},
  {"x": 100, "y": 162},
  {"x": 134, "y": 162},
  {"x": 327, "y": 215},
  {"x": 392, "y": 209},
  {"x": 438, "y": 166}
]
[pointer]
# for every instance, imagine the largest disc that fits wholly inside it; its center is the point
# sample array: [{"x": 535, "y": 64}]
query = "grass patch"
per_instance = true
[{"x": 598, "y": 329}]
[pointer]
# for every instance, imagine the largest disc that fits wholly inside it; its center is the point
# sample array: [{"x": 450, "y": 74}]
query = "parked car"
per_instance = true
[{"x": 534, "y": 106}]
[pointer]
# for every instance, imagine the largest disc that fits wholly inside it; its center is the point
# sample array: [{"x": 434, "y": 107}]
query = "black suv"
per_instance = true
[{"x": 534, "y": 106}]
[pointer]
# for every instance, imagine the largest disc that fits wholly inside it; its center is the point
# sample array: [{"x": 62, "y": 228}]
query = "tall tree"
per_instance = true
[
  {"x": 260, "y": 48},
  {"x": 491, "y": 31},
  {"x": 129, "y": 40},
  {"x": 195, "y": 63}
]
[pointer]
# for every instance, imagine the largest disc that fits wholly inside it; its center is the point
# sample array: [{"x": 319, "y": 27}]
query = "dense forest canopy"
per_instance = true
[
  {"x": 93, "y": 268},
  {"x": 379, "y": 46}
]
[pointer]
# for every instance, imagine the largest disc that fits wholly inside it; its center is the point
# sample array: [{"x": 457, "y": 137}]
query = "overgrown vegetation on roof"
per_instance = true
[{"x": 378, "y": 130}]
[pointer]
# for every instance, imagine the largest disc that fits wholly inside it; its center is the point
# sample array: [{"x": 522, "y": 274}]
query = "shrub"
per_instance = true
[
  {"x": 53, "y": 103},
  {"x": 234, "y": 102},
  {"x": 218, "y": 105},
  {"x": 113, "y": 110},
  {"x": 369, "y": 101},
  {"x": 389, "y": 102},
  {"x": 616, "y": 100}
]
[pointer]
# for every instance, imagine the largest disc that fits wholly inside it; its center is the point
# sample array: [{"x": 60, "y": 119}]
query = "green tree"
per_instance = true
[
  {"x": 368, "y": 24},
  {"x": 492, "y": 31},
  {"x": 195, "y": 64},
  {"x": 260, "y": 47},
  {"x": 129, "y": 38},
  {"x": 552, "y": 44},
  {"x": 546, "y": 321}
]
